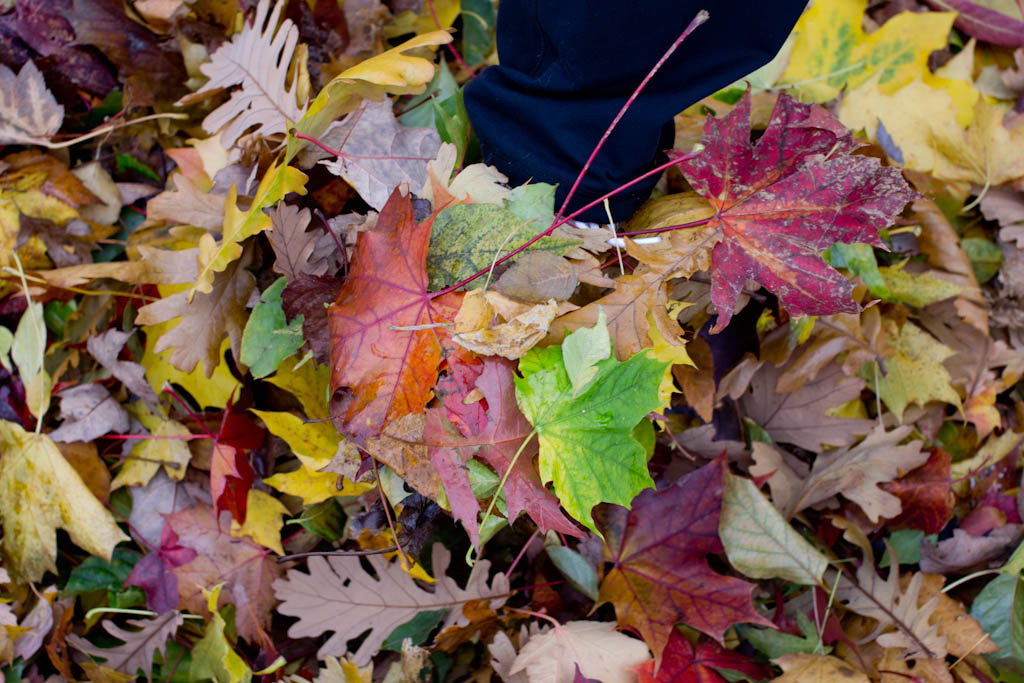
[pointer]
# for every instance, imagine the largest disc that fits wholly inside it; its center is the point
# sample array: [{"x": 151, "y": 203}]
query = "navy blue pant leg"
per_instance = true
[{"x": 567, "y": 66}]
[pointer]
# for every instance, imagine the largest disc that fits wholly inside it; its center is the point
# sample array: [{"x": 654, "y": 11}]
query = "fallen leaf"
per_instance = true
[
  {"x": 854, "y": 473},
  {"x": 759, "y": 542},
  {"x": 964, "y": 550},
  {"x": 231, "y": 477},
  {"x": 913, "y": 372},
  {"x": 804, "y": 668},
  {"x": 149, "y": 455},
  {"x": 138, "y": 647},
  {"x": 593, "y": 648},
  {"x": 661, "y": 574},
  {"x": 292, "y": 244},
  {"x": 681, "y": 663},
  {"x": 29, "y": 113},
  {"x": 376, "y": 153},
  {"x": 257, "y": 58},
  {"x": 537, "y": 277},
  {"x": 106, "y": 348},
  {"x": 336, "y": 585},
  {"x": 212, "y": 657},
  {"x": 41, "y": 492},
  {"x": 585, "y": 420},
  {"x": 154, "y": 572},
  {"x": 780, "y": 202},
  {"x": 246, "y": 570},
  {"x": 263, "y": 520},
  {"x": 479, "y": 328},
  {"x": 926, "y": 494},
  {"x": 994, "y": 21},
  {"x": 497, "y": 443},
  {"x": 89, "y": 412},
  {"x": 387, "y": 372}
]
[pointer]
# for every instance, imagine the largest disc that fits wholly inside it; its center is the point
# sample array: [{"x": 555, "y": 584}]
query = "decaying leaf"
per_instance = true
[
  {"x": 339, "y": 585},
  {"x": 596, "y": 648},
  {"x": 138, "y": 647},
  {"x": 29, "y": 113}
]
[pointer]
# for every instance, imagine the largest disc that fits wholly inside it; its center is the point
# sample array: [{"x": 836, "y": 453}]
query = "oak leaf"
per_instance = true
[
  {"x": 138, "y": 648},
  {"x": 257, "y": 58},
  {"x": 783, "y": 200},
  {"x": 292, "y": 244},
  {"x": 661, "y": 574},
  {"x": 29, "y": 113},
  {"x": 39, "y": 493},
  {"x": 497, "y": 443},
  {"x": 854, "y": 473},
  {"x": 206, "y": 320},
  {"x": 245, "y": 569},
  {"x": 388, "y": 370},
  {"x": 339, "y": 585}
]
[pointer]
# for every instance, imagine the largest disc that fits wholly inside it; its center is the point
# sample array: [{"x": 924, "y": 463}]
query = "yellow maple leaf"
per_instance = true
[
  {"x": 320, "y": 442},
  {"x": 671, "y": 352},
  {"x": 308, "y": 382},
  {"x": 149, "y": 455},
  {"x": 914, "y": 372},
  {"x": 313, "y": 486},
  {"x": 39, "y": 493},
  {"x": 214, "y": 257},
  {"x": 921, "y": 122},
  {"x": 263, "y": 519},
  {"x": 832, "y": 51}
]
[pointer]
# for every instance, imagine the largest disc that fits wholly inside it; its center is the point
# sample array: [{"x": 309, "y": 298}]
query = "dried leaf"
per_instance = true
[
  {"x": 29, "y": 113},
  {"x": 89, "y": 411},
  {"x": 804, "y": 668},
  {"x": 138, "y": 648},
  {"x": 339, "y": 585},
  {"x": 106, "y": 348},
  {"x": 593, "y": 648},
  {"x": 537, "y": 277}
]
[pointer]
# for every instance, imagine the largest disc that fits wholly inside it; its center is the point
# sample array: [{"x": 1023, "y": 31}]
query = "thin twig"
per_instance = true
[
  {"x": 108, "y": 128},
  {"x": 339, "y": 553}
]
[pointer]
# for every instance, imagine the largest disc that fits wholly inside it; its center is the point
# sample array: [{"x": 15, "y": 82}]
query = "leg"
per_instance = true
[{"x": 567, "y": 66}]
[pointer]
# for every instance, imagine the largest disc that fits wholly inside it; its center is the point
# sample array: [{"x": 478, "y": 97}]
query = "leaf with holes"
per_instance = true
[
  {"x": 782, "y": 201},
  {"x": 661, "y": 574},
  {"x": 138, "y": 648},
  {"x": 386, "y": 336}
]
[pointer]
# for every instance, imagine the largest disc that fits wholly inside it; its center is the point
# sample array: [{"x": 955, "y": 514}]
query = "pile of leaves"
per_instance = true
[{"x": 294, "y": 387}]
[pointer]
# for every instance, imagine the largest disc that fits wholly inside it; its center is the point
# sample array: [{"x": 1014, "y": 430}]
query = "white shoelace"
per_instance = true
[{"x": 616, "y": 241}]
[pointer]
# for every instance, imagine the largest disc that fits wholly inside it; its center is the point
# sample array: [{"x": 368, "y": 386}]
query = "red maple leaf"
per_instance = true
[
  {"x": 153, "y": 572},
  {"x": 680, "y": 663},
  {"x": 383, "y": 349},
  {"x": 782, "y": 201},
  {"x": 926, "y": 494},
  {"x": 231, "y": 477},
  {"x": 496, "y": 444},
  {"x": 661, "y": 574}
]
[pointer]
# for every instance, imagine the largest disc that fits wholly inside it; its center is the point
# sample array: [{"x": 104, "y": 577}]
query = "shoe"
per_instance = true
[{"x": 615, "y": 241}]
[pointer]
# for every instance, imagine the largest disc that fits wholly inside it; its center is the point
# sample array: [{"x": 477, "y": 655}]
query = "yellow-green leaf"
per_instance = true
[
  {"x": 40, "y": 493},
  {"x": 212, "y": 657},
  {"x": 263, "y": 520},
  {"x": 149, "y": 455},
  {"x": 313, "y": 486}
]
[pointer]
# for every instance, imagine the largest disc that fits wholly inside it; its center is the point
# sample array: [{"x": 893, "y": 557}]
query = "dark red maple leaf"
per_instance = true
[
  {"x": 384, "y": 351},
  {"x": 454, "y": 387},
  {"x": 496, "y": 444},
  {"x": 926, "y": 494},
  {"x": 661, "y": 574},
  {"x": 782, "y": 201},
  {"x": 153, "y": 572},
  {"x": 680, "y": 663},
  {"x": 231, "y": 477}
]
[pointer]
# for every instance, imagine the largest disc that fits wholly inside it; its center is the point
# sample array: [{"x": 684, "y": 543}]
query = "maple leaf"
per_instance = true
[
  {"x": 832, "y": 50},
  {"x": 205, "y": 320},
  {"x": 497, "y": 443},
  {"x": 39, "y": 493},
  {"x": 389, "y": 371},
  {"x": 661, "y": 575},
  {"x": 231, "y": 475},
  {"x": 246, "y": 569},
  {"x": 799, "y": 417},
  {"x": 681, "y": 663},
  {"x": 853, "y": 473},
  {"x": 29, "y": 113},
  {"x": 590, "y": 648},
  {"x": 587, "y": 409},
  {"x": 339, "y": 585},
  {"x": 913, "y": 372},
  {"x": 153, "y": 573},
  {"x": 783, "y": 200},
  {"x": 138, "y": 648},
  {"x": 256, "y": 58},
  {"x": 925, "y": 493},
  {"x": 377, "y": 154}
]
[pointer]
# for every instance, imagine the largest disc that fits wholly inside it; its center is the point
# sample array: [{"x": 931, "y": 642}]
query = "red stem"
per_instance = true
[
  {"x": 701, "y": 17},
  {"x": 451, "y": 48},
  {"x": 338, "y": 153},
  {"x": 562, "y": 221},
  {"x": 667, "y": 228}
]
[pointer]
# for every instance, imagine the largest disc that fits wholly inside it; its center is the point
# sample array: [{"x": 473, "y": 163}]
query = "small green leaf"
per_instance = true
[
  {"x": 325, "y": 519},
  {"x": 96, "y": 574},
  {"x": 268, "y": 339},
  {"x": 986, "y": 257},
  {"x": 586, "y": 440},
  {"x": 129, "y": 163},
  {"x": 417, "y": 629},
  {"x": 478, "y": 20},
  {"x": 582, "y": 351},
  {"x": 574, "y": 568},
  {"x": 759, "y": 542},
  {"x": 860, "y": 260},
  {"x": 906, "y": 543}
]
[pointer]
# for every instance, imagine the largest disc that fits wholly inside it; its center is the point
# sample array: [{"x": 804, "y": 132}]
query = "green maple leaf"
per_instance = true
[{"x": 588, "y": 420}]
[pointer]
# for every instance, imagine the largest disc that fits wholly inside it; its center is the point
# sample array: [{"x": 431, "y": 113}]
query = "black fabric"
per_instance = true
[{"x": 567, "y": 67}]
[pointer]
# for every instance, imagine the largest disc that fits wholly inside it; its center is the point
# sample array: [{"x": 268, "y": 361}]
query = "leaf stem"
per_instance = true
[
  {"x": 340, "y": 553},
  {"x": 108, "y": 128},
  {"x": 501, "y": 487},
  {"x": 41, "y": 344},
  {"x": 699, "y": 19}
]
